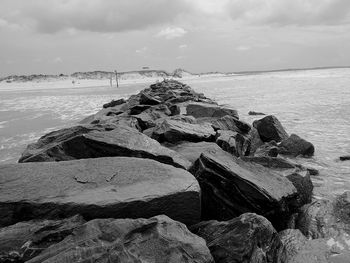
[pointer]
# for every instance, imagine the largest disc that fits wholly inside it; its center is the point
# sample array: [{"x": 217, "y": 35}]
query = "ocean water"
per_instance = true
[{"x": 315, "y": 104}]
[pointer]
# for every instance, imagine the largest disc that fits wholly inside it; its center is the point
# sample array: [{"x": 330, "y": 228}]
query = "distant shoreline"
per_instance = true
[{"x": 144, "y": 74}]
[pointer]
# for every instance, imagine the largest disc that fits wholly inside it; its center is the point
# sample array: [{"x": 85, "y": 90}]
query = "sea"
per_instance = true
[{"x": 315, "y": 104}]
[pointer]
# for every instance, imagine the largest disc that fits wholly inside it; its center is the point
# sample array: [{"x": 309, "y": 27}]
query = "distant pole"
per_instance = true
[{"x": 116, "y": 78}]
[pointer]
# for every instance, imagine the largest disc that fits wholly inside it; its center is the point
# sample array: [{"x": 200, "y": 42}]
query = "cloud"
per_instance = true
[
  {"x": 183, "y": 46},
  {"x": 57, "y": 60},
  {"x": 290, "y": 12},
  {"x": 94, "y": 15},
  {"x": 172, "y": 32},
  {"x": 141, "y": 50},
  {"x": 243, "y": 48}
]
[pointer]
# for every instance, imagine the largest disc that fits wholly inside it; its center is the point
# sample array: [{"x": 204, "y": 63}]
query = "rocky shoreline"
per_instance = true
[{"x": 168, "y": 175}]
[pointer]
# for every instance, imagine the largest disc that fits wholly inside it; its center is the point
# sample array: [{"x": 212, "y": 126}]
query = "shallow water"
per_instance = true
[{"x": 314, "y": 104}]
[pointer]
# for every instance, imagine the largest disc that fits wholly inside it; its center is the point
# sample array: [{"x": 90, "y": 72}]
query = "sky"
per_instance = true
[{"x": 65, "y": 36}]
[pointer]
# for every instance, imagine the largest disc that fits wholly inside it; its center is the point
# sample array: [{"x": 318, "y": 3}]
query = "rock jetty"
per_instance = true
[{"x": 168, "y": 175}]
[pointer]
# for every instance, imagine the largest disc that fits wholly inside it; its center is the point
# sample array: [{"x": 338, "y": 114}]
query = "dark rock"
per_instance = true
[
  {"x": 255, "y": 113},
  {"x": 304, "y": 186},
  {"x": 255, "y": 140},
  {"x": 296, "y": 248},
  {"x": 268, "y": 149},
  {"x": 174, "y": 109},
  {"x": 81, "y": 143},
  {"x": 97, "y": 188},
  {"x": 148, "y": 100},
  {"x": 233, "y": 142},
  {"x": 28, "y": 239},
  {"x": 294, "y": 145},
  {"x": 344, "y": 158},
  {"x": 113, "y": 122},
  {"x": 270, "y": 128},
  {"x": 199, "y": 110},
  {"x": 248, "y": 238},
  {"x": 149, "y": 117},
  {"x": 175, "y": 131},
  {"x": 137, "y": 109},
  {"x": 231, "y": 187},
  {"x": 192, "y": 150},
  {"x": 114, "y": 103},
  {"x": 231, "y": 123},
  {"x": 158, "y": 239}
]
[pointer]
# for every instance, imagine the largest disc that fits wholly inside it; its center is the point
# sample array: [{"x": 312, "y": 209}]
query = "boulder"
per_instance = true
[
  {"x": 231, "y": 123},
  {"x": 296, "y": 248},
  {"x": 149, "y": 117},
  {"x": 114, "y": 103},
  {"x": 344, "y": 158},
  {"x": 270, "y": 162},
  {"x": 231, "y": 187},
  {"x": 158, "y": 239},
  {"x": 174, "y": 131},
  {"x": 199, "y": 110},
  {"x": 28, "y": 239},
  {"x": 255, "y": 113},
  {"x": 255, "y": 140},
  {"x": 249, "y": 238},
  {"x": 270, "y": 128},
  {"x": 97, "y": 188},
  {"x": 192, "y": 150},
  {"x": 137, "y": 109},
  {"x": 302, "y": 182},
  {"x": 148, "y": 99},
  {"x": 294, "y": 146},
  {"x": 81, "y": 143},
  {"x": 233, "y": 142}
]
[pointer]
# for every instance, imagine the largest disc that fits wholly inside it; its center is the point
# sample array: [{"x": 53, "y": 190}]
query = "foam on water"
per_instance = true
[{"x": 314, "y": 104}]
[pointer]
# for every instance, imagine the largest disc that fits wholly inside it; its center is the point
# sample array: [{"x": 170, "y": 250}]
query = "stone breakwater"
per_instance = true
[{"x": 168, "y": 175}]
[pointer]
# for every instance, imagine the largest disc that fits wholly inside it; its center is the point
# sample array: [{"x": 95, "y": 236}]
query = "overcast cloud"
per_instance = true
[{"x": 51, "y": 36}]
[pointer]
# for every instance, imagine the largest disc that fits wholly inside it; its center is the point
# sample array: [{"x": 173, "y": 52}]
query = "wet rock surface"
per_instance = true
[
  {"x": 81, "y": 143},
  {"x": 249, "y": 238},
  {"x": 270, "y": 128},
  {"x": 25, "y": 240},
  {"x": 158, "y": 239},
  {"x": 295, "y": 146},
  {"x": 97, "y": 188},
  {"x": 231, "y": 187}
]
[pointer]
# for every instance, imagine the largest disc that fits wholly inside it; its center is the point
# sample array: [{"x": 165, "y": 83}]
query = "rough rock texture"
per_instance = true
[
  {"x": 294, "y": 145},
  {"x": 296, "y": 248},
  {"x": 148, "y": 99},
  {"x": 344, "y": 158},
  {"x": 97, "y": 188},
  {"x": 270, "y": 162},
  {"x": 327, "y": 219},
  {"x": 149, "y": 117},
  {"x": 255, "y": 140},
  {"x": 303, "y": 184},
  {"x": 28, "y": 239},
  {"x": 231, "y": 187},
  {"x": 158, "y": 239},
  {"x": 192, "y": 150},
  {"x": 233, "y": 142},
  {"x": 81, "y": 143},
  {"x": 249, "y": 238},
  {"x": 270, "y": 128},
  {"x": 199, "y": 110},
  {"x": 267, "y": 149},
  {"x": 255, "y": 113},
  {"x": 231, "y": 123},
  {"x": 175, "y": 131},
  {"x": 114, "y": 103}
]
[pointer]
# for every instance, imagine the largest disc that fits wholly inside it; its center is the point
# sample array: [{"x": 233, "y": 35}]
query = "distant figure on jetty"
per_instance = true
[{"x": 116, "y": 77}]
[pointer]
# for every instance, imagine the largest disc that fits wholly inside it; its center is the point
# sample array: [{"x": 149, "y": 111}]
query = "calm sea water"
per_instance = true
[{"x": 314, "y": 104}]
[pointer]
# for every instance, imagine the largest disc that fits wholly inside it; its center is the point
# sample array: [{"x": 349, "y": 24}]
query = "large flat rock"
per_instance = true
[
  {"x": 200, "y": 110},
  {"x": 231, "y": 187},
  {"x": 174, "y": 131},
  {"x": 81, "y": 143},
  {"x": 158, "y": 239},
  {"x": 97, "y": 188}
]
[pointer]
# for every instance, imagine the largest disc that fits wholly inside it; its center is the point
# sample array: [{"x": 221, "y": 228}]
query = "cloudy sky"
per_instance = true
[{"x": 64, "y": 36}]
